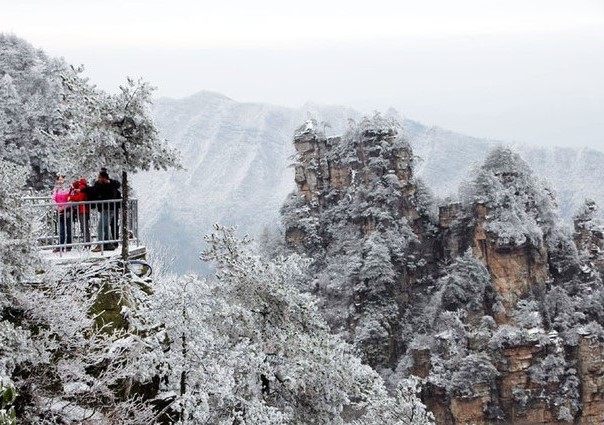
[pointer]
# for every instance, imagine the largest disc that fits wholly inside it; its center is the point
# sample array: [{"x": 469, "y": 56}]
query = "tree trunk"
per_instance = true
[
  {"x": 125, "y": 230},
  {"x": 183, "y": 374}
]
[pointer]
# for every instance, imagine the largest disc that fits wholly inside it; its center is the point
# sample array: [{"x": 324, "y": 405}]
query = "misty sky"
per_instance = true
[{"x": 517, "y": 70}]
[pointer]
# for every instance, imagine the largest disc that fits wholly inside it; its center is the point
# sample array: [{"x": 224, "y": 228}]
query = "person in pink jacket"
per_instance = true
[
  {"x": 61, "y": 195},
  {"x": 78, "y": 194}
]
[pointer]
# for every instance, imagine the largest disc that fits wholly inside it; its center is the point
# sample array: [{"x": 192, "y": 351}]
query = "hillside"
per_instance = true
[{"x": 237, "y": 158}]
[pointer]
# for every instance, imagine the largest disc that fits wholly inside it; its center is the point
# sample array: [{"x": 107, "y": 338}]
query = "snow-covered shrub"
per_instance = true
[
  {"x": 511, "y": 336},
  {"x": 520, "y": 208},
  {"x": 466, "y": 284},
  {"x": 404, "y": 409},
  {"x": 549, "y": 370},
  {"x": 563, "y": 257},
  {"x": 476, "y": 369},
  {"x": 31, "y": 93},
  {"x": 527, "y": 314},
  {"x": 554, "y": 371},
  {"x": 8, "y": 395},
  {"x": 16, "y": 254},
  {"x": 559, "y": 309}
]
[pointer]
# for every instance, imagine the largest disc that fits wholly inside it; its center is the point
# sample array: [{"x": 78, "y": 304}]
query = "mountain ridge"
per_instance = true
[{"x": 237, "y": 157}]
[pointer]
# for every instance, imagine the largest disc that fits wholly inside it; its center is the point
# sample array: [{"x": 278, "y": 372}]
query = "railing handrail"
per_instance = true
[
  {"x": 51, "y": 202},
  {"x": 51, "y": 217}
]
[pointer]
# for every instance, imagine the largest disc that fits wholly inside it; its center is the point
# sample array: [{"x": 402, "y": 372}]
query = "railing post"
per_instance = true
[{"x": 125, "y": 199}]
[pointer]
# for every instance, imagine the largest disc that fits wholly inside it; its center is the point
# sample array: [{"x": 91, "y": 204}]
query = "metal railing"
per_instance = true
[{"x": 81, "y": 225}]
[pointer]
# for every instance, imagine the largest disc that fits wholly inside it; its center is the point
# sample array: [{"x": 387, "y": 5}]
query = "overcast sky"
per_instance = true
[{"x": 517, "y": 70}]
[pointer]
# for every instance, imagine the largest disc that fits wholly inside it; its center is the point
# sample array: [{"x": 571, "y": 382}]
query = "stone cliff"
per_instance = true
[
  {"x": 356, "y": 194},
  {"x": 489, "y": 300}
]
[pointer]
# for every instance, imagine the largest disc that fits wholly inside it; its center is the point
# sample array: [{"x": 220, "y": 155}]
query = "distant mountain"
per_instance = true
[
  {"x": 446, "y": 159},
  {"x": 237, "y": 158}
]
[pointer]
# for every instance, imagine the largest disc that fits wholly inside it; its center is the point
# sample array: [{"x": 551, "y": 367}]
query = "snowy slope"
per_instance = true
[{"x": 236, "y": 157}]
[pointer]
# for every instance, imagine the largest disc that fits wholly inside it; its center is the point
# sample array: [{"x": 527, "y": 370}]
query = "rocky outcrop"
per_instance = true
[
  {"x": 589, "y": 234},
  {"x": 314, "y": 171},
  {"x": 515, "y": 270},
  {"x": 325, "y": 171},
  {"x": 590, "y": 359},
  {"x": 506, "y": 364},
  {"x": 356, "y": 193}
]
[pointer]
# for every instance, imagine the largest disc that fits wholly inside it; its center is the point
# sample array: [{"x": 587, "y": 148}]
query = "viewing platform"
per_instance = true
[{"x": 69, "y": 232}]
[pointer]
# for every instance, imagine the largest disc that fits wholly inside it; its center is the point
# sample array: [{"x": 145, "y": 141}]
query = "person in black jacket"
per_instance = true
[{"x": 105, "y": 189}]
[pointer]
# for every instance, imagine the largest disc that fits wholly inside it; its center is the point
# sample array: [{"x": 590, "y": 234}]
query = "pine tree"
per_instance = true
[
  {"x": 30, "y": 98},
  {"x": 249, "y": 347}
]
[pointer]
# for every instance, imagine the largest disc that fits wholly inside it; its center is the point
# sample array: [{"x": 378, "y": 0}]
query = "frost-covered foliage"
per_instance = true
[
  {"x": 16, "y": 257},
  {"x": 587, "y": 213},
  {"x": 249, "y": 347},
  {"x": 65, "y": 355},
  {"x": 555, "y": 370},
  {"x": 520, "y": 208},
  {"x": 16, "y": 261},
  {"x": 466, "y": 285},
  {"x": 563, "y": 256},
  {"x": 111, "y": 130},
  {"x": 403, "y": 409},
  {"x": 456, "y": 327},
  {"x": 53, "y": 120},
  {"x": 30, "y": 97},
  {"x": 589, "y": 235}
]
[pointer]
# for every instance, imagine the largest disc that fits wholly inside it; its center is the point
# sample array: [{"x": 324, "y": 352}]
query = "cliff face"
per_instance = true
[
  {"x": 490, "y": 301},
  {"x": 357, "y": 212},
  {"x": 327, "y": 171},
  {"x": 515, "y": 270}
]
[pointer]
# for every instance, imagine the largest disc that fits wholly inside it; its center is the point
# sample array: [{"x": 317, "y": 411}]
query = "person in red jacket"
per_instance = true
[{"x": 83, "y": 210}]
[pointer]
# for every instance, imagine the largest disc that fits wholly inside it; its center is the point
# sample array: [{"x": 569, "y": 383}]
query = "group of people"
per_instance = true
[{"x": 72, "y": 204}]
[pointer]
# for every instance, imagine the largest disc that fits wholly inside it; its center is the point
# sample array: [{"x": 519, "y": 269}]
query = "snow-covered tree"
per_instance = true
[
  {"x": 53, "y": 120},
  {"x": 520, "y": 208},
  {"x": 76, "y": 350},
  {"x": 589, "y": 235},
  {"x": 466, "y": 285},
  {"x": 403, "y": 409},
  {"x": 16, "y": 261},
  {"x": 249, "y": 347},
  {"x": 16, "y": 253},
  {"x": 112, "y": 131},
  {"x": 30, "y": 96}
]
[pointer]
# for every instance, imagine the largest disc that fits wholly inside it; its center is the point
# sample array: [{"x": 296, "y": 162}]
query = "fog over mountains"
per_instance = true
[{"x": 237, "y": 158}]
